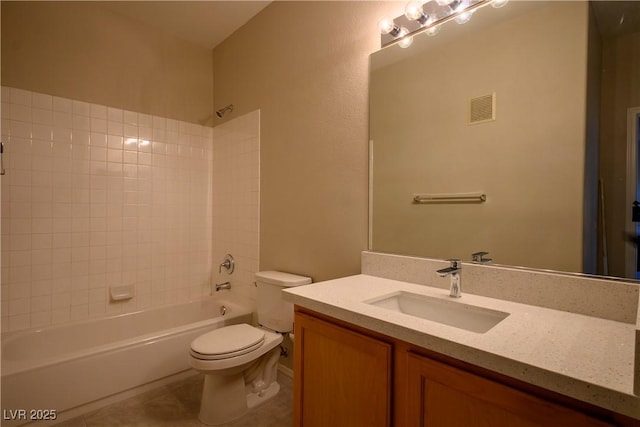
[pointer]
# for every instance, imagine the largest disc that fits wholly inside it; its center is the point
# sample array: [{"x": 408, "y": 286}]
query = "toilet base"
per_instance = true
[
  {"x": 222, "y": 408},
  {"x": 255, "y": 399},
  {"x": 234, "y": 403},
  {"x": 230, "y": 394}
]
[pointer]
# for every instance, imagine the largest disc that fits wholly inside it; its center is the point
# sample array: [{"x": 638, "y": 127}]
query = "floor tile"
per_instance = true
[{"x": 178, "y": 404}]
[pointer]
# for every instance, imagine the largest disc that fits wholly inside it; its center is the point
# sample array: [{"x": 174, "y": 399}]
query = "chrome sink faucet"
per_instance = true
[{"x": 455, "y": 271}]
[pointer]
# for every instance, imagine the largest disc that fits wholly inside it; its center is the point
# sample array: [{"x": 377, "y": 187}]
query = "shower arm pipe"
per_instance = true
[{"x": 221, "y": 111}]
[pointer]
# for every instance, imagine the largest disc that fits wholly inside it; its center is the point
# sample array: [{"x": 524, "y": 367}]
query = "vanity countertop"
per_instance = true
[{"x": 587, "y": 358}]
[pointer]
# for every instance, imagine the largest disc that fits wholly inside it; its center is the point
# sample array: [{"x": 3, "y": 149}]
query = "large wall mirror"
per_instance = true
[{"x": 535, "y": 105}]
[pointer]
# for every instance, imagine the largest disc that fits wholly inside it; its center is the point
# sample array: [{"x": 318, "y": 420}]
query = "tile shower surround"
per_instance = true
[
  {"x": 97, "y": 197},
  {"x": 236, "y": 201}
]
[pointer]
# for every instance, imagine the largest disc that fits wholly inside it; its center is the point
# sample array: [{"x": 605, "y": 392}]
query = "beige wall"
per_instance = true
[
  {"x": 529, "y": 161},
  {"x": 81, "y": 51},
  {"x": 305, "y": 65}
]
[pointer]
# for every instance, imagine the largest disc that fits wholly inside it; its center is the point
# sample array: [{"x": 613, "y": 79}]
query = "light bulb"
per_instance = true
[
  {"x": 405, "y": 41},
  {"x": 499, "y": 3},
  {"x": 414, "y": 12},
  {"x": 464, "y": 17},
  {"x": 433, "y": 30},
  {"x": 387, "y": 26}
]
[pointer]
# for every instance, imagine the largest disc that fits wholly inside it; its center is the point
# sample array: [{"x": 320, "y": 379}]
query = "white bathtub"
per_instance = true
[{"x": 62, "y": 367}]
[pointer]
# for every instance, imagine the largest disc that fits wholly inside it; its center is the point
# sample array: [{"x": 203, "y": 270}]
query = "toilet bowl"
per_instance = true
[
  {"x": 224, "y": 355},
  {"x": 240, "y": 362}
]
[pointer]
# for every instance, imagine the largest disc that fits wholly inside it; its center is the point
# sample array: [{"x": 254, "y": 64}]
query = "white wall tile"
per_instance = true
[
  {"x": 61, "y": 134},
  {"x": 235, "y": 226},
  {"x": 62, "y": 119},
  {"x": 20, "y": 97},
  {"x": 81, "y": 122},
  {"x": 40, "y": 100},
  {"x": 62, "y": 104},
  {"x": 131, "y": 117},
  {"x": 98, "y": 111},
  {"x": 98, "y": 139},
  {"x": 98, "y": 125},
  {"x": 21, "y": 113},
  {"x": 19, "y": 129},
  {"x": 97, "y": 196},
  {"x": 145, "y": 120},
  {"x": 42, "y": 117},
  {"x": 80, "y": 108}
]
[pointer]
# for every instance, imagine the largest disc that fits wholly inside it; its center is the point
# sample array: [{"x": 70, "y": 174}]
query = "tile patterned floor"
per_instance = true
[{"x": 177, "y": 405}]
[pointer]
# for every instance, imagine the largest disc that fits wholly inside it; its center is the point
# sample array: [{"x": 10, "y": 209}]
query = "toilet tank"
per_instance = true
[{"x": 273, "y": 312}]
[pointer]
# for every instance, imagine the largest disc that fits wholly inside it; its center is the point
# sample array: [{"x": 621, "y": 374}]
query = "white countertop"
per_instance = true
[{"x": 587, "y": 358}]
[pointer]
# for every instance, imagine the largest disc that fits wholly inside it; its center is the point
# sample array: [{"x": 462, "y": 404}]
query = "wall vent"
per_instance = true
[{"x": 482, "y": 109}]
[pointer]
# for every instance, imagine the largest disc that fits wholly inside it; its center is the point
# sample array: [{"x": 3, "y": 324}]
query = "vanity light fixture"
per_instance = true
[
  {"x": 464, "y": 17},
  {"x": 405, "y": 41},
  {"x": 428, "y": 17},
  {"x": 387, "y": 26},
  {"x": 455, "y": 5},
  {"x": 433, "y": 30},
  {"x": 415, "y": 12}
]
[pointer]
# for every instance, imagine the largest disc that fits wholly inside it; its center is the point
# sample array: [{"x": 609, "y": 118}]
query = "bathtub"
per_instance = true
[{"x": 51, "y": 370}]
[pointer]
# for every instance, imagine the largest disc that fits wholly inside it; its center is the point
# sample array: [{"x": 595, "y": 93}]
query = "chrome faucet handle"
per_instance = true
[
  {"x": 479, "y": 257},
  {"x": 454, "y": 268},
  {"x": 228, "y": 264},
  {"x": 455, "y": 262}
]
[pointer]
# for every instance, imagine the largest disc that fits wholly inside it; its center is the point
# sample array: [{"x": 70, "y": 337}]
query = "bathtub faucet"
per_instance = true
[
  {"x": 225, "y": 285},
  {"x": 228, "y": 264}
]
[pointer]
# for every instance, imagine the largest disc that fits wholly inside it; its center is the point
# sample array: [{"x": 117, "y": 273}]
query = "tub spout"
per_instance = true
[{"x": 225, "y": 285}]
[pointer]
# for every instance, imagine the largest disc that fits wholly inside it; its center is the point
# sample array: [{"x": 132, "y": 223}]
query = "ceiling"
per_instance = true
[
  {"x": 206, "y": 23},
  {"x": 209, "y": 22}
]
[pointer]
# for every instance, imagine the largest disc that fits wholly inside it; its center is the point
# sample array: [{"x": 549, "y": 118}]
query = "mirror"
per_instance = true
[{"x": 534, "y": 105}]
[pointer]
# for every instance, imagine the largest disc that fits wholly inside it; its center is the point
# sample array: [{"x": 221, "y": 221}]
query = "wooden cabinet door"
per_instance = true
[
  {"x": 342, "y": 378},
  {"x": 440, "y": 395}
]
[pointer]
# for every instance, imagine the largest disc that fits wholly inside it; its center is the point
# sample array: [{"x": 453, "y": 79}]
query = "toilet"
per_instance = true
[{"x": 240, "y": 362}]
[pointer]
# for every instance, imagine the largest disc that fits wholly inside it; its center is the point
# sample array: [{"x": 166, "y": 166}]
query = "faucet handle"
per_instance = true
[
  {"x": 479, "y": 257},
  {"x": 228, "y": 264},
  {"x": 455, "y": 262}
]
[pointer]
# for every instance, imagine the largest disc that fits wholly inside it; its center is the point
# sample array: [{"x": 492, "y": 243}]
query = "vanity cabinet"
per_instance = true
[
  {"x": 346, "y": 375},
  {"x": 342, "y": 377},
  {"x": 441, "y": 395}
]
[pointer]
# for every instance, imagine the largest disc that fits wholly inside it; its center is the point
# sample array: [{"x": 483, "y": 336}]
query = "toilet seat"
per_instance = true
[{"x": 227, "y": 342}]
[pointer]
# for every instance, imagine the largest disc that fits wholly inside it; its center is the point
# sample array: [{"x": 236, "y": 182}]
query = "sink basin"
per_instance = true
[{"x": 451, "y": 313}]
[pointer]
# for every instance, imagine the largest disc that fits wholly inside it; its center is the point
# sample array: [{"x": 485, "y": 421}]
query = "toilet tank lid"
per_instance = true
[{"x": 282, "y": 278}]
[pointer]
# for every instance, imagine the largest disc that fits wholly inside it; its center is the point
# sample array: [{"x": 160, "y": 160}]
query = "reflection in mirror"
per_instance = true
[{"x": 534, "y": 105}]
